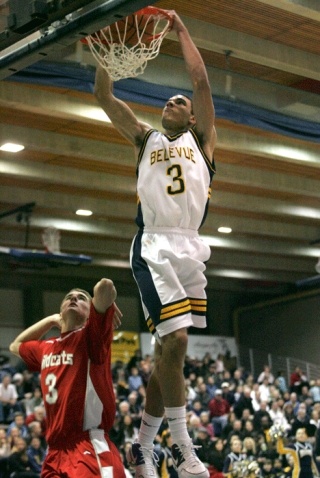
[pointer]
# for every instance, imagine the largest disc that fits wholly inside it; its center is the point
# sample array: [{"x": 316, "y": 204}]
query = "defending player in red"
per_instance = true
[{"x": 76, "y": 383}]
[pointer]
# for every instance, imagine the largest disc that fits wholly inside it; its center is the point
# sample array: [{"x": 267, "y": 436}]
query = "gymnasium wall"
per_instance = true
[{"x": 288, "y": 326}]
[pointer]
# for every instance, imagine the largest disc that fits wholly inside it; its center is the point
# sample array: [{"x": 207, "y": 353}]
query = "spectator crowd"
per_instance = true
[{"x": 229, "y": 413}]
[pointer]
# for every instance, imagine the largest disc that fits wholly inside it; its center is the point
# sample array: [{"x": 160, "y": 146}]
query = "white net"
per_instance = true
[
  {"x": 51, "y": 239},
  {"x": 125, "y": 60}
]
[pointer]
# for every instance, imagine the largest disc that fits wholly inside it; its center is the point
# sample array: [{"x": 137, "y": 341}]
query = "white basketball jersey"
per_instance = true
[{"x": 174, "y": 178}]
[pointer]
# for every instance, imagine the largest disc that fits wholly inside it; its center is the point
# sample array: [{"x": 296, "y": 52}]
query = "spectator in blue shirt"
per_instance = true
[
  {"x": 135, "y": 380},
  {"x": 36, "y": 455}
]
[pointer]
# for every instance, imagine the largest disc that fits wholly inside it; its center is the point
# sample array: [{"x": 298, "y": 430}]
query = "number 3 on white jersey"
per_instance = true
[{"x": 52, "y": 396}]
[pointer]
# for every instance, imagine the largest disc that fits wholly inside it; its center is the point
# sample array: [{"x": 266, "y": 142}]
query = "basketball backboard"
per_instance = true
[{"x": 43, "y": 27}]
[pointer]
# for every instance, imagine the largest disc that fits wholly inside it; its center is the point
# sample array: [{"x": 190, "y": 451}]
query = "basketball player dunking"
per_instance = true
[{"x": 174, "y": 170}]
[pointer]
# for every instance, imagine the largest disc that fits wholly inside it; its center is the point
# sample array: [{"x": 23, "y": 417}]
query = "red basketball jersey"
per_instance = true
[{"x": 76, "y": 379}]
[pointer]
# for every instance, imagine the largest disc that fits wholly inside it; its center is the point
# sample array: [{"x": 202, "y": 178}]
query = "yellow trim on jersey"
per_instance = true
[
  {"x": 210, "y": 164},
  {"x": 198, "y": 305},
  {"x": 150, "y": 325},
  {"x": 143, "y": 146},
  {"x": 175, "y": 305},
  {"x": 175, "y": 309}
]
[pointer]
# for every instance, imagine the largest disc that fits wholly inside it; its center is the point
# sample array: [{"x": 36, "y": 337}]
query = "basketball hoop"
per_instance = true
[{"x": 124, "y": 48}]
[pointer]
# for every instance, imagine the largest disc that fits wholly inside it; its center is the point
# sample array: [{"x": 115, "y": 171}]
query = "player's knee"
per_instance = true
[{"x": 175, "y": 344}]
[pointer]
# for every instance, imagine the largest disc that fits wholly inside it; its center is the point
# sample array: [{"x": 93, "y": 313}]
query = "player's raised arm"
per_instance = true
[
  {"x": 119, "y": 113},
  {"x": 35, "y": 332},
  {"x": 203, "y": 107}
]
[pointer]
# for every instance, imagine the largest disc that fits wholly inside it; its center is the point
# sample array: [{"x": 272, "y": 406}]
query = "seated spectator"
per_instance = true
[
  {"x": 267, "y": 470},
  {"x": 246, "y": 415},
  {"x": 219, "y": 409},
  {"x": 202, "y": 444},
  {"x": 315, "y": 391},
  {"x": 264, "y": 389},
  {"x": 8, "y": 399},
  {"x": 122, "y": 387},
  {"x": 281, "y": 382},
  {"x": 20, "y": 423},
  {"x": 35, "y": 431},
  {"x": 244, "y": 401},
  {"x": 302, "y": 420},
  {"x": 36, "y": 454},
  {"x": 293, "y": 400},
  {"x": 134, "y": 360},
  {"x": 123, "y": 457},
  {"x": 189, "y": 391},
  {"x": 314, "y": 423},
  {"x": 229, "y": 426},
  {"x": 17, "y": 380},
  {"x": 206, "y": 423},
  {"x": 265, "y": 427},
  {"x": 145, "y": 371},
  {"x": 211, "y": 386},
  {"x": 216, "y": 458},
  {"x": 227, "y": 377},
  {"x": 266, "y": 373},
  {"x": 135, "y": 409},
  {"x": 237, "y": 379},
  {"x": 31, "y": 400},
  {"x": 196, "y": 407},
  {"x": 249, "y": 448},
  {"x": 193, "y": 425},
  {"x": 19, "y": 463},
  {"x": 275, "y": 393},
  {"x": 249, "y": 381},
  {"x": 14, "y": 435},
  {"x": 203, "y": 395},
  {"x": 248, "y": 429},
  {"x": 256, "y": 396},
  {"x": 134, "y": 379},
  {"x": 278, "y": 468},
  {"x": 5, "y": 446},
  {"x": 6, "y": 368},
  {"x": 227, "y": 394},
  {"x": 277, "y": 415},
  {"x": 259, "y": 414},
  {"x": 30, "y": 381},
  {"x": 236, "y": 431},
  {"x": 297, "y": 379},
  {"x": 305, "y": 395},
  {"x": 129, "y": 431},
  {"x": 38, "y": 415},
  {"x": 289, "y": 413},
  {"x": 219, "y": 363},
  {"x": 116, "y": 432}
]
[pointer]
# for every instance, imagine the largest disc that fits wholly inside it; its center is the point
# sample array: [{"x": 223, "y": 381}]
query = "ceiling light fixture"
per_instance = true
[
  {"x": 84, "y": 212},
  {"x": 225, "y": 230},
  {"x": 12, "y": 147}
]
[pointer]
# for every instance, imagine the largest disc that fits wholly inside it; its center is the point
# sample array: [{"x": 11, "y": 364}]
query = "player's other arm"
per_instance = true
[
  {"x": 119, "y": 113},
  {"x": 35, "y": 332},
  {"x": 104, "y": 295},
  {"x": 203, "y": 106}
]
